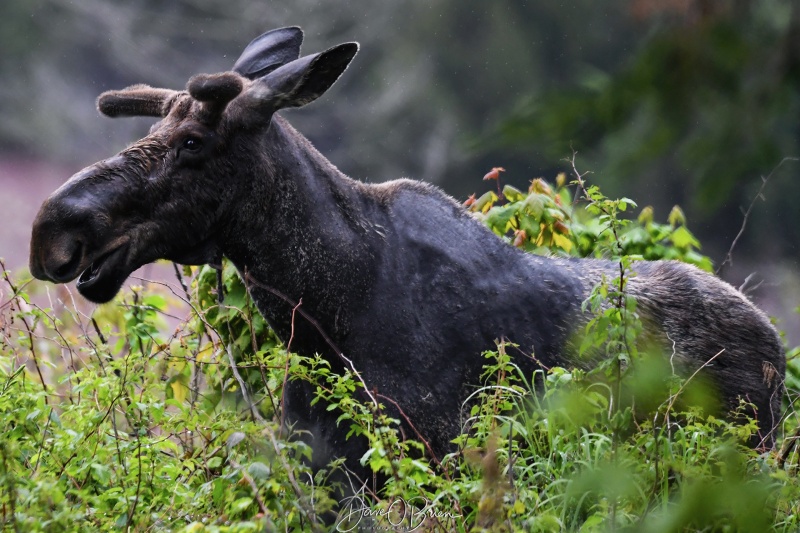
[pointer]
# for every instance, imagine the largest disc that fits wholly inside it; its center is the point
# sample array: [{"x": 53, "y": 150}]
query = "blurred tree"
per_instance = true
[
  {"x": 429, "y": 73},
  {"x": 710, "y": 101},
  {"x": 672, "y": 101}
]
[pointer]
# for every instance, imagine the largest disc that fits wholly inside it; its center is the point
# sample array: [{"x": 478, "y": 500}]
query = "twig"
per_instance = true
[
  {"x": 28, "y": 329},
  {"x": 195, "y": 368},
  {"x": 413, "y": 427},
  {"x": 91, "y": 432},
  {"x": 253, "y": 486},
  {"x": 746, "y": 286},
  {"x": 99, "y": 334},
  {"x": 674, "y": 397},
  {"x": 613, "y": 224},
  {"x": 256, "y": 415},
  {"x": 253, "y": 344},
  {"x": 312, "y": 517},
  {"x": 760, "y": 194},
  {"x": 250, "y": 279},
  {"x": 41, "y": 444},
  {"x": 220, "y": 283},
  {"x": 789, "y": 444},
  {"x": 15, "y": 290},
  {"x": 581, "y": 186},
  {"x": 138, "y": 480},
  {"x": 770, "y": 368},
  {"x": 286, "y": 366}
]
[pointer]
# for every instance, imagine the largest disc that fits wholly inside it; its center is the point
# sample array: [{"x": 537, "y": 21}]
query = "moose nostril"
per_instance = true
[{"x": 67, "y": 271}]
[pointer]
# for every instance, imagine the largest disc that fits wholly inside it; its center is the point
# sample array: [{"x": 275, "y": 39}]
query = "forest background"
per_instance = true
[{"x": 689, "y": 102}]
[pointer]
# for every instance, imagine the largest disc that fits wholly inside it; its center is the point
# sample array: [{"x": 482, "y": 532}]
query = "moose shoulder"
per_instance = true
[{"x": 397, "y": 276}]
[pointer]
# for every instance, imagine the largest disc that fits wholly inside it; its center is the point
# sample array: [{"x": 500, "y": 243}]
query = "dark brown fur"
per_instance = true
[{"x": 402, "y": 279}]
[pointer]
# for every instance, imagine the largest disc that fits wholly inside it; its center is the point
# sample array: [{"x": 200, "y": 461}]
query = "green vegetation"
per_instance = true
[{"x": 115, "y": 421}]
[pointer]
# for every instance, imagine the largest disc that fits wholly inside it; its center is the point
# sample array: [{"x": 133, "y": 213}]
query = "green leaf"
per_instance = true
[
  {"x": 259, "y": 470},
  {"x": 536, "y": 203},
  {"x": 683, "y": 238},
  {"x": 501, "y": 219},
  {"x": 676, "y": 217},
  {"x": 485, "y": 202},
  {"x": 592, "y": 522},
  {"x": 512, "y": 194},
  {"x": 625, "y": 202},
  {"x": 101, "y": 473},
  {"x": 242, "y": 504},
  {"x": 234, "y": 439},
  {"x": 122, "y": 521},
  {"x": 155, "y": 301}
]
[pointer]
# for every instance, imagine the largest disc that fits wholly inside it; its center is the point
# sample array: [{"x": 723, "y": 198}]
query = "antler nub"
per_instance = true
[
  {"x": 137, "y": 100},
  {"x": 222, "y": 87},
  {"x": 215, "y": 91}
]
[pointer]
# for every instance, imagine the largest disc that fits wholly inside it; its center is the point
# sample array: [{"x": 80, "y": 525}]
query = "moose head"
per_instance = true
[{"x": 164, "y": 197}]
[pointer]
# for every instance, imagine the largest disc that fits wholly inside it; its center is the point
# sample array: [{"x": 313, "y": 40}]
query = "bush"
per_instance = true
[{"x": 110, "y": 421}]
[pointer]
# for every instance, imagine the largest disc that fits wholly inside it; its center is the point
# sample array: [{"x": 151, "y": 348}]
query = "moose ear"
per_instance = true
[
  {"x": 269, "y": 51},
  {"x": 304, "y": 80}
]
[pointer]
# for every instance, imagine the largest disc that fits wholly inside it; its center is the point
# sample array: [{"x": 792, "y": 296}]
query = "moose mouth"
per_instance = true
[{"x": 104, "y": 277}]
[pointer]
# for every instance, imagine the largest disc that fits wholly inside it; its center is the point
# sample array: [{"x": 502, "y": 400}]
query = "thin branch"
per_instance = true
[
  {"x": 132, "y": 510},
  {"x": 243, "y": 386},
  {"x": 789, "y": 444},
  {"x": 286, "y": 366},
  {"x": 413, "y": 427},
  {"x": 28, "y": 329},
  {"x": 312, "y": 517},
  {"x": 760, "y": 194},
  {"x": 41, "y": 444},
  {"x": 250, "y": 279},
  {"x": 674, "y": 397},
  {"x": 253, "y": 486}
]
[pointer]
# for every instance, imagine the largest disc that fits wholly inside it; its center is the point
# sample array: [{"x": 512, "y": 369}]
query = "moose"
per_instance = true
[{"x": 396, "y": 279}]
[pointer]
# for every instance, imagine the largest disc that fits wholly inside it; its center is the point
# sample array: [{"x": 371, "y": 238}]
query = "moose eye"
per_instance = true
[{"x": 192, "y": 144}]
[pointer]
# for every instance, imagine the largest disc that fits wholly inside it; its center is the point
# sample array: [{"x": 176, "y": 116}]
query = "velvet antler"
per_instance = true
[
  {"x": 215, "y": 91},
  {"x": 136, "y": 101}
]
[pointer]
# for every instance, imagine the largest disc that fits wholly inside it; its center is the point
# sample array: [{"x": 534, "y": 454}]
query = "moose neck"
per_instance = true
[{"x": 297, "y": 233}]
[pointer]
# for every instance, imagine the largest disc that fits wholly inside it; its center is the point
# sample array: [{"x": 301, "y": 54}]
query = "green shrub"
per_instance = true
[{"x": 116, "y": 421}]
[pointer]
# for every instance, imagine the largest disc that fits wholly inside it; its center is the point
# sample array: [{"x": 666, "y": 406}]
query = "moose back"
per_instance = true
[{"x": 396, "y": 278}]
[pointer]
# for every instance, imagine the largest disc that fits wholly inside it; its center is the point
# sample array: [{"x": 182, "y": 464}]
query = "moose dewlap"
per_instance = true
[{"x": 393, "y": 275}]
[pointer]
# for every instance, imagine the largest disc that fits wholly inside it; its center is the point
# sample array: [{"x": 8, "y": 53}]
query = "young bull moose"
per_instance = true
[{"x": 397, "y": 277}]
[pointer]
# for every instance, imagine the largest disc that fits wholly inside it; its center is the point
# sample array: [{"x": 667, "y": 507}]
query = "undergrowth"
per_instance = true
[{"x": 112, "y": 419}]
